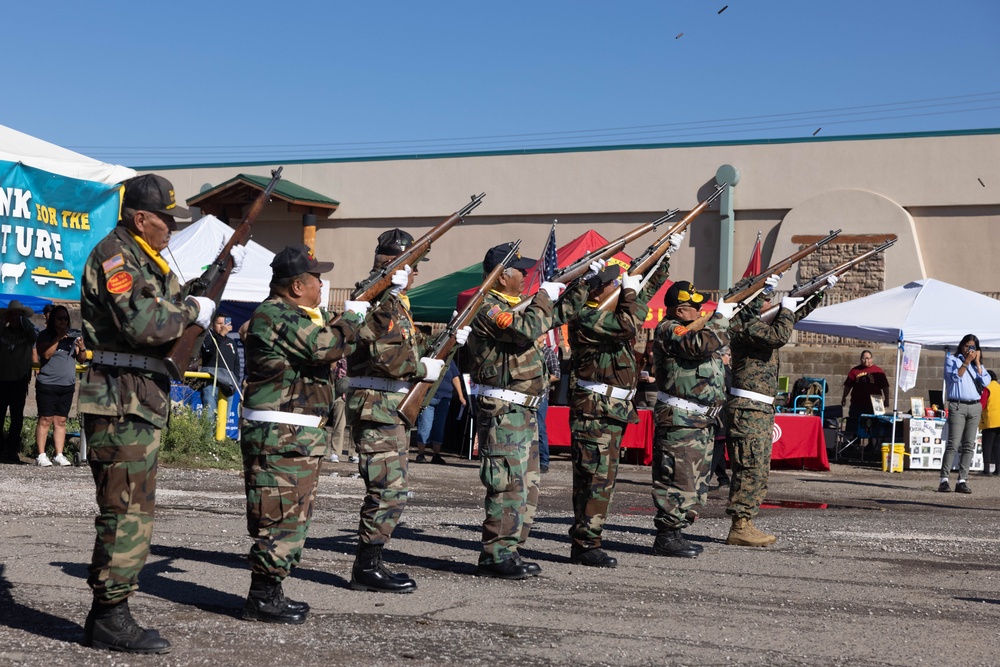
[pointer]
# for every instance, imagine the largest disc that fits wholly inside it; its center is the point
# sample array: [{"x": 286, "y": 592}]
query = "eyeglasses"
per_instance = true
[{"x": 692, "y": 296}]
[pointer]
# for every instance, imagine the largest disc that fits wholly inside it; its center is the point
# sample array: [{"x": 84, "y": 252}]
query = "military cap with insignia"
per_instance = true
[
  {"x": 683, "y": 293},
  {"x": 295, "y": 260},
  {"x": 150, "y": 192},
  {"x": 496, "y": 254}
]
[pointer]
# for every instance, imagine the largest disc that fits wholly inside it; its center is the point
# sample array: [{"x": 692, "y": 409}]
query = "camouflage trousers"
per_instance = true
[
  {"x": 681, "y": 455},
  {"x": 281, "y": 493},
  {"x": 382, "y": 450},
  {"x": 123, "y": 458},
  {"x": 509, "y": 470},
  {"x": 595, "y": 447},
  {"x": 749, "y": 443}
]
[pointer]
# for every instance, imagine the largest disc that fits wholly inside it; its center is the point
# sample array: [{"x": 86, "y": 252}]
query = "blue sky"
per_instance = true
[{"x": 187, "y": 82}]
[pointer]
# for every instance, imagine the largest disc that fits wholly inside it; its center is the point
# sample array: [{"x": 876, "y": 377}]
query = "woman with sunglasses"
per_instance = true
[
  {"x": 55, "y": 383},
  {"x": 965, "y": 377}
]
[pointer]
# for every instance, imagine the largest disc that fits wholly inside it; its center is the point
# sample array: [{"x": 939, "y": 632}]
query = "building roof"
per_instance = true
[{"x": 244, "y": 188}]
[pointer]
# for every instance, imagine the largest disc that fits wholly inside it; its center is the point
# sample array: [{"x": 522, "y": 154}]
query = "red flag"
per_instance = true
[{"x": 753, "y": 268}]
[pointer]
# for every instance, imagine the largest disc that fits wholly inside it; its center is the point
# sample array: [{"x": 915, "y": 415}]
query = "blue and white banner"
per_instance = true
[{"x": 48, "y": 226}]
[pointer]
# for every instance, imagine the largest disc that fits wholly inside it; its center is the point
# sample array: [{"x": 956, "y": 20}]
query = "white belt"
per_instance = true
[
  {"x": 606, "y": 390},
  {"x": 508, "y": 395},
  {"x": 752, "y": 395},
  {"x": 128, "y": 360},
  {"x": 279, "y": 417},
  {"x": 690, "y": 406},
  {"x": 381, "y": 384}
]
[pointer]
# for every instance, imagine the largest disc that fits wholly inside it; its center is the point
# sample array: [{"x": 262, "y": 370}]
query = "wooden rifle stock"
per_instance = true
[
  {"x": 656, "y": 251},
  {"x": 444, "y": 347},
  {"x": 818, "y": 284},
  {"x": 212, "y": 283},
  {"x": 372, "y": 287}
]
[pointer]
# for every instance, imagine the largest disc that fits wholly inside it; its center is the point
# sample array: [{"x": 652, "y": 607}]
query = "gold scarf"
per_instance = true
[
  {"x": 512, "y": 300},
  {"x": 153, "y": 255},
  {"x": 315, "y": 315}
]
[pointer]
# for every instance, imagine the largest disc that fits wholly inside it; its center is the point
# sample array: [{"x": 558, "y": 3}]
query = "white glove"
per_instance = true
[
  {"x": 832, "y": 280},
  {"x": 772, "y": 281},
  {"x": 434, "y": 368},
  {"x": 598, "y": 265},
  {"x": 553, "y": 289},
  {"x": 727, "y": 310},
  {"x": 400, "y": 279},
  {"x": 357, "y": 307},
  {"x": 238, "y": 253},
  {"x": 676, "y": 240},
  {"x": 205, "y": 309},
  {"x": 791, "y": 302},
  {"x": 462, "y": 335},
  {"x": 631, "y": 282}
]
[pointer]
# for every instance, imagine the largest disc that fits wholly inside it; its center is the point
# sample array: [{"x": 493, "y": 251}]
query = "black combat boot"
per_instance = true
[
  {"x": 596, "y": 557},
  {"x": 369, "y": 574},
  {"x": 532, "y": 568},
  {"x": 266, "y": 602},
  {"x": 112, "y": 628},
  {"x": 672, "y": 543}
]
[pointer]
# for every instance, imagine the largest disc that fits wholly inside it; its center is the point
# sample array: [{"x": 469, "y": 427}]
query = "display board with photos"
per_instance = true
[{"x": 927, "y": 441}]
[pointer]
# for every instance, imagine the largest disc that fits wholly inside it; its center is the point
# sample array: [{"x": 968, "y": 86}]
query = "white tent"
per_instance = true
[{"x": 19, "y": 147}]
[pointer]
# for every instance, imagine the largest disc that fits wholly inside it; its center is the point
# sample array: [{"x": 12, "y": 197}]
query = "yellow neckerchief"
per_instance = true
[
  {"x": 592, "y": 304},
  {"x": 512, "y": 300},
  {"x": 314, "y": 314},
  {"x": 406, "y": 300},
  {"x": 153, "y": 255}
]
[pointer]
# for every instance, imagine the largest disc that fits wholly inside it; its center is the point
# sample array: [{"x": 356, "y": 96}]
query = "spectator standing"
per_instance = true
[
  {"x": 338, "y": 419},
  {"x": 17, "y": 344},
  {"x": 964, "y": 381},
  {"x": 863, "y": 381},
  {"x": 55, "y": 383},
  {"x": 435, "y": 426},
  {"x": 718, "y": 467},
  {"x": 220, "y": 359},
  {"x": 989, "y": 424}
]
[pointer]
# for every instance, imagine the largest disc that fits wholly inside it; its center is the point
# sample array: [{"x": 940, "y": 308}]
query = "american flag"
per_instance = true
[{"x": 550, "y": 258}]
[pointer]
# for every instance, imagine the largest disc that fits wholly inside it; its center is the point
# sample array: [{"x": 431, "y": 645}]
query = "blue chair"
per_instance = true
[{"x": 813, "y": 401}]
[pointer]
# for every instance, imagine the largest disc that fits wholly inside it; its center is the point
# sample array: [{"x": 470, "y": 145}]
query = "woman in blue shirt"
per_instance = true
[
  {"x": 964, "y": 379},
  {"x": 55, "y": 383}
]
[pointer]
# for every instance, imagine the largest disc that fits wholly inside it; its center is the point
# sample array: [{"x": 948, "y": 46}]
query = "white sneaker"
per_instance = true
[
  {"x": 334, "y": 458},
  {"x": 62, "y": 460},
  {"x": 43, "y": 460}
]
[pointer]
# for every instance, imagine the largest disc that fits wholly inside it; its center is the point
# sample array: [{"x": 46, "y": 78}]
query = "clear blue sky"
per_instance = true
[{"x": 152, "y": 83}]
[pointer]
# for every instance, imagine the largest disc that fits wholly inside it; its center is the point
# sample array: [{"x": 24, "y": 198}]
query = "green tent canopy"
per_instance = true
[{"x": 435, "y": 301}]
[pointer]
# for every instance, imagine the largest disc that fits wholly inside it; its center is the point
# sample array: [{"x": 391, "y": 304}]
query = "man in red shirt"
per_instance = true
[{"x": 864, "y": 381}]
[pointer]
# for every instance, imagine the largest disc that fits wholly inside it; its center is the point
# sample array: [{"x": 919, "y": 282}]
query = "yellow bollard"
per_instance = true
[{"x": 221, "y": 416}]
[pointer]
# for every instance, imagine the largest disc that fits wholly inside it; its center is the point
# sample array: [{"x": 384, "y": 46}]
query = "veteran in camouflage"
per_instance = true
[
  {"x": 290, "y": 345},
  {"x": 388, "y": 360},
  {"x": 749, "y": 410},
  {"x": 133, "y": 308},
  {"x": 605, "y": 375},
  {"x": 505, "y": 362},
  {"x": 690, "y": 380}
]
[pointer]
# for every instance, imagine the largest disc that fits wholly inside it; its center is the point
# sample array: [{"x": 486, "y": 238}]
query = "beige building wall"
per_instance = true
[{"x": 933, "y": 180}]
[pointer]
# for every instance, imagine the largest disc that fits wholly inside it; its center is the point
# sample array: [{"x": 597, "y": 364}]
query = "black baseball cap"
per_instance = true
[
  {"x": 150, "y": 192},
  {"x": 295, "y": 260},
  {"x": 683, "y": 293},
  {"x": 393, "y": 242},
  {"x": 496, "y": 254}
]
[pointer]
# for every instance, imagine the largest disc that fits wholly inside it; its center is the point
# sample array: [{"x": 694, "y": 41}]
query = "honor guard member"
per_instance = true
[
  {"x": 387, "y": 362},
  {"x": 690, "y": 380},
  {"x": 749, "y": 411},
  {"x": 290, "y": 345},
  {"x": 601, "y": 406},
  {"x": 507, "y": 365},
  {"x": 133, "y": 308}
]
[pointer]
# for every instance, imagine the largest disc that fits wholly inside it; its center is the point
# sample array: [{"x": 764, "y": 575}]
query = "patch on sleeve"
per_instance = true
[
  {"x": 120, "y": 283},
  {"x": 493, "y": 312},
  {"x": 110, "y": 265},
  {"x": 390, "y": 326},
  {"x": 680, "y": 331},
  {"x": 504, "y": 320}
]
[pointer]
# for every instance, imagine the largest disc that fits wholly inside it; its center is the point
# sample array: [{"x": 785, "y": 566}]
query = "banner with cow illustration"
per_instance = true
[{"x": 48, "y": 226}]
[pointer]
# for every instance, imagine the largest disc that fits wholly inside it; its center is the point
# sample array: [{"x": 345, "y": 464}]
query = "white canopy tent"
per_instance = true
[
  {"x": 197, "y": 245},
  {"x": 929, "y": 312},
  {"x": 19, "y": 147}
]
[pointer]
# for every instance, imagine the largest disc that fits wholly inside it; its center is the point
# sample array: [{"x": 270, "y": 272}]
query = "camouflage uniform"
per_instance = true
[
  {"x": 755, "y": 346},
  {"x": 129, "y": 305},
  {"x": 288, "y": 364},
  {"x": 602, "y": 353},
  {"x": 687, "y": 366},
  {"x": 389, "y": 347},
  {"x": 503, "y": 353}
]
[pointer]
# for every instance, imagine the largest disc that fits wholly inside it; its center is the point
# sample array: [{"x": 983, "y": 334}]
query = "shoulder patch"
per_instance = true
[
  {"x": 680, "y": 331},
  {"x": 120, "y": 283},
  {"x": 390, "y": 326},
  {"x": 113, "y": 263},
  {"x": 504, "y": 320},
  {"x": 493, "y": 312}
]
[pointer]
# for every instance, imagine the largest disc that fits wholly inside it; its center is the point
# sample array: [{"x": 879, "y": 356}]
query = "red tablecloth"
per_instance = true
[
  {"x": 798, "y": 439},
  {"x": 799, "y": 443}
]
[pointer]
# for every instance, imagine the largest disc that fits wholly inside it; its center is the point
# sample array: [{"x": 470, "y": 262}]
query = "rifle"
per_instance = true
[
  {"x": 580, "y": 269},
  {"x": 379, "y": 280},
  {"x": 749, "y": 287},
  {"x": 213, "y": 281},
  {"x": 443, "y": 347},
  {"x": 650, "y": 259},
  {"x": 818, "y": 284}
]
